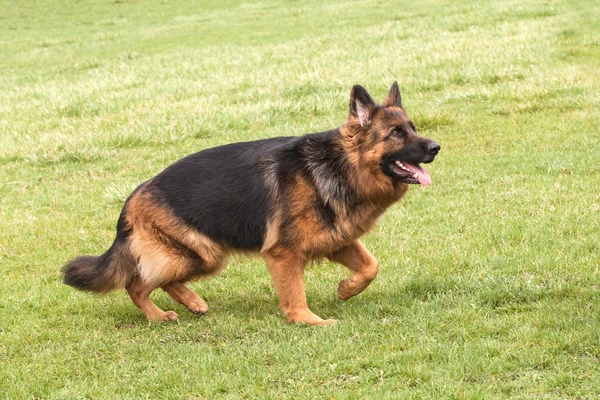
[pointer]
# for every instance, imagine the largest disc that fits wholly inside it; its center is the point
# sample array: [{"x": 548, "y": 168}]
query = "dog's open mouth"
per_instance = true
[{"x": 411, "y": 173}]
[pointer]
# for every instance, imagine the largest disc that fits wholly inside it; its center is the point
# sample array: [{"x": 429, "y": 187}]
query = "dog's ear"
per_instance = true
[
  {"x": 393, "y": 98},
  {"x": 361, "y": 105}
]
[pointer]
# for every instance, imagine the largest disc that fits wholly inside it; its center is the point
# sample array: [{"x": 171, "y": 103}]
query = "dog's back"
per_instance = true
[{"x": 221, "y": 192}]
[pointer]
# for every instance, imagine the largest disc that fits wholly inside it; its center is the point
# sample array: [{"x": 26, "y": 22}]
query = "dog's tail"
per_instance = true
[{"x": 104, "y": 273}]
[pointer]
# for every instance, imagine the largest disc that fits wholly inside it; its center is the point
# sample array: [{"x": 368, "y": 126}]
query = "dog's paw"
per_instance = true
[
  {"x": 306, "y": 317},
  {"x": 168, "y": 316},
  {"x": 345, "y": 290},
  {"x": 198, "y": 307},
  {"x": 328, "y": 322}
]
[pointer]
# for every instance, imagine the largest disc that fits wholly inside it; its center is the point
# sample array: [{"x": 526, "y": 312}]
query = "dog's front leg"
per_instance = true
[
  {"x": 357, "y": 258},
  {"x": 287, "y": 272}
]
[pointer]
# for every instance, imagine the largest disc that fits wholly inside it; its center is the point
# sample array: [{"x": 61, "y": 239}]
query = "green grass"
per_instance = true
[{"x": 489, "y": 286}]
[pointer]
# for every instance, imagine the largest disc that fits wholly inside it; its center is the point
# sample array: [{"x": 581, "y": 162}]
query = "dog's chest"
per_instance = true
[{"x": 346, "y": 228}]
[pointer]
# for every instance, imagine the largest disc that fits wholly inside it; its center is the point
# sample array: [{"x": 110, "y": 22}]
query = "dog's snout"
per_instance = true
[{"x": 433, "y": 148}]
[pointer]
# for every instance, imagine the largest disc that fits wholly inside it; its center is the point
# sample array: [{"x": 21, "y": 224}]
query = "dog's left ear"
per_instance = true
[
  {"x": 393, "y": 98},
  {"x": 362, "y": 105}
]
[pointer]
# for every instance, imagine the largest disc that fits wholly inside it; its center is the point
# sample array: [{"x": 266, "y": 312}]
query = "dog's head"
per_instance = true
[{"x": 387, "y": 138}]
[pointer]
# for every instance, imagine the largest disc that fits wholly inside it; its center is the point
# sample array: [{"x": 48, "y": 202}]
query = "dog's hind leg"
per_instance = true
[
  {"x": 287, "y": 272},
  {"x": 181, "y": 294},
  {"x": 140, "y": 295},
  {"x": 357, "y": 258}
]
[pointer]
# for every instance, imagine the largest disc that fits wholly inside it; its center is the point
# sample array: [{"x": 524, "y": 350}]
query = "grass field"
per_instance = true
[{"x": 489, "y": 286}]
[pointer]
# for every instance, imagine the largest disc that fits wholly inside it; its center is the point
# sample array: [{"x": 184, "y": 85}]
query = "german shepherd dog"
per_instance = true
[{"x": 290, "y": 199}]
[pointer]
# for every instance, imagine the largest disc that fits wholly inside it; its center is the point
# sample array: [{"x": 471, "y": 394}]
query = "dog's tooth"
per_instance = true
[{"x": 401, "y": 165}]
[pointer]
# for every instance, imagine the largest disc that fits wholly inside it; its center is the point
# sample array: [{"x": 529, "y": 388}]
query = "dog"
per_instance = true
[{"x": 289, "y": 199}]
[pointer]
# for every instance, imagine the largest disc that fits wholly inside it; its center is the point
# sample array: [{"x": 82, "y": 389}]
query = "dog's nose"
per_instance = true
[{"x": 433, "y": 148}]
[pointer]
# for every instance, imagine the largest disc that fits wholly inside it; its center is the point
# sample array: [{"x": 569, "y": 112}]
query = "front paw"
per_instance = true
[
  {"x": 346, "y": 289},
  {"x": 307, "y": 317}
]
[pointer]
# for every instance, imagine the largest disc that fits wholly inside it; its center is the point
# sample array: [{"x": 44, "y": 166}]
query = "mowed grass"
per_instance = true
[{"x": 489, "y": 278}]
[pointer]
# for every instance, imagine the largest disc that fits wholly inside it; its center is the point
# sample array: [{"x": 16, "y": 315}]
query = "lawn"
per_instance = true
[{"x": 489, "y": 281}]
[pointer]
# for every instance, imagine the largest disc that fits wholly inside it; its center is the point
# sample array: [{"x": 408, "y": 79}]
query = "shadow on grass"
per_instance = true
[{"x": 500, "y": 295}]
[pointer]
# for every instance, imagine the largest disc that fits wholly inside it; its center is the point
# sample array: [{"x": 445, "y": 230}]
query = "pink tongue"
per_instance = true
[{"x": 423, "y": 177}]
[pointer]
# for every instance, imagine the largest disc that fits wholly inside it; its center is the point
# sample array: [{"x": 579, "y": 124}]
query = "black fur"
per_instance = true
[
  {"x": 360, "y": 94},
  {"x": 223, "y": 194},
  {"x": 221, "y": 191},
  {"x": 100, "y": 273},
  {"x": 414, "y": 153},
  {"x": 327, "y": 165}
]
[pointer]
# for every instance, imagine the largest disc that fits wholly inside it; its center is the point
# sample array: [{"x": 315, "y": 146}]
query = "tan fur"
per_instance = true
[
  {"x": 367, "y": 177},
  {"x": 158, "y": 263},
  {"x": 357, "y": 258},
  {"x": 272, "y": 233},
  {"x": 287, "y": 270},
  {"x": 140, "y": 295},
  {"x": 167, "y": 252},
  {"x": 309, "y": 234},
  {"x": 309, "y": 238},
  {"x": 185, "y": 296}
]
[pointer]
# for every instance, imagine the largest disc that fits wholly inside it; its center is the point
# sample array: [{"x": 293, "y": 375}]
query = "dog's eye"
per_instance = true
[{"x": 398, "y": 133}]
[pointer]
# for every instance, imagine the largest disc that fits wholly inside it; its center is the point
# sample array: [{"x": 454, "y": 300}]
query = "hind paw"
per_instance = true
[
  {"x": 170, "y": 316},
  {"x": 165, "y": 316}
]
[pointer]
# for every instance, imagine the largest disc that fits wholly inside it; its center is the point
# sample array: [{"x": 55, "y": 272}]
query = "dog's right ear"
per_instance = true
[{"x": 361, "y": 105}]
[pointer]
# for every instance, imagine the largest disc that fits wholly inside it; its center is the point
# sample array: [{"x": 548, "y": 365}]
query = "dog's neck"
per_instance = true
[
  {"x": 366, "y": 175},
  {"x": 335, "y": 165}
]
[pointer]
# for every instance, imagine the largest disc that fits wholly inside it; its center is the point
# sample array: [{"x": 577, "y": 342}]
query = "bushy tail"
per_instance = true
[{"x": 103, "y": 273}]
